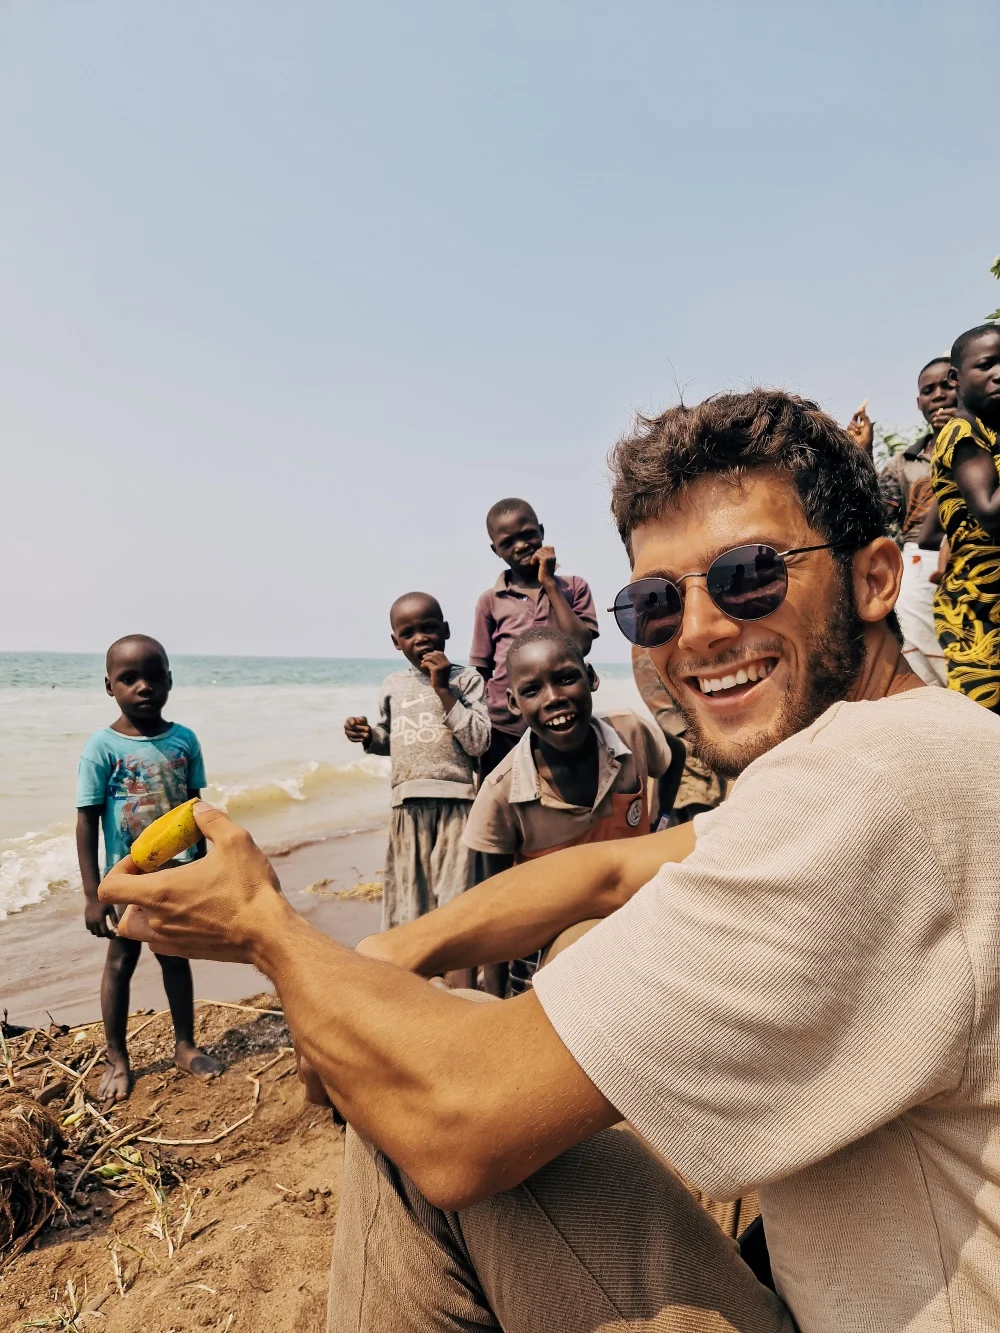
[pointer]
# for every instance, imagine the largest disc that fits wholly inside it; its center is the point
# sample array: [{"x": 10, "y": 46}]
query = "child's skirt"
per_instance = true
[{"x": 426, "y": 864}]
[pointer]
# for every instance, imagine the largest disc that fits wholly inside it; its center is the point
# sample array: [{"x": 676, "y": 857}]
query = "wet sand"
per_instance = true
[{"x": 49, "y": 962}]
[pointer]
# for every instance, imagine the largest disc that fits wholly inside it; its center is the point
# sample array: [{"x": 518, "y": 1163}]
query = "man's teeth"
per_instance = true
[
  {"x": 561, "y": 722},
  {"x": 744, "y": 676}
]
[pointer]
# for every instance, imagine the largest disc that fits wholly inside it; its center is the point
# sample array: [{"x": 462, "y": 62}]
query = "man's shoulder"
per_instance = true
[{"x": 923, "y": 739}]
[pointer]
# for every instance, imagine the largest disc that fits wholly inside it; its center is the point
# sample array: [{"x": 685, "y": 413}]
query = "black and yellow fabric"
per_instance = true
[{"x": 967, "y": 601}]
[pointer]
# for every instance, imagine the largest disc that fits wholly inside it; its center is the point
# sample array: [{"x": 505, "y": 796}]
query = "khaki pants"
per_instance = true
[{"x": 604, "y": 1238}]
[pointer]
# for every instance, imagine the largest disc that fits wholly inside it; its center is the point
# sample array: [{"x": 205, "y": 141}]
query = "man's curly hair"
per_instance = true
[{"x": 732, "y": 433}]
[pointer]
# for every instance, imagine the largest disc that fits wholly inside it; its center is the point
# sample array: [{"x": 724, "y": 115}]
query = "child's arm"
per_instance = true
[
  {"x": 483, "y": 629},
  {"x": 88, "y": 830},
  {"x": 465, "y": 712},
  {"x": 374, "y": 739},
  {"x": 565, "y": 617}
]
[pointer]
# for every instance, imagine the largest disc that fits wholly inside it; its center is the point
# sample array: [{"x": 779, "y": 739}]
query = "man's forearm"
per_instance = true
[
  {"x": 421, "y": 1072},
  {"x": 524, "y": 909}
]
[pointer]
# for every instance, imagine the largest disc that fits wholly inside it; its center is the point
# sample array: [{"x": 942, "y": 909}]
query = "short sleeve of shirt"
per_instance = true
[
  {"x": 492, "y": 825},
  {"x": 483, "y": 627},
  {"x": 196, "y": 762},
  {"x": 92, "y": 774},
  {"x": 581, "y": 601},
  {"x": 800, "y": 979}
]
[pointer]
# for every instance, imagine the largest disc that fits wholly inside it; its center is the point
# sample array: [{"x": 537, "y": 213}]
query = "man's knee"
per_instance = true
[{"x": 569, "y": 936}]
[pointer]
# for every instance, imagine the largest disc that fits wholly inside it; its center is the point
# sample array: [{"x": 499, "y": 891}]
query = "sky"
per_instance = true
[{"x": 291, "y": 293}]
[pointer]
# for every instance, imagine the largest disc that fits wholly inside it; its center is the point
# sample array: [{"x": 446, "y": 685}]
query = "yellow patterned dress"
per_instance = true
[{"x": 967, "y": 602}]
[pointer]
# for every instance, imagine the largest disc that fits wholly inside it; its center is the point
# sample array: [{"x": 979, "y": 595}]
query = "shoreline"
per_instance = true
[{"x": 49, "y": 962}]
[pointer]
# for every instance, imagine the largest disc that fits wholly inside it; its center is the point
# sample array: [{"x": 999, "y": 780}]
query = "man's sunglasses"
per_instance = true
[{"x": 746, "y": 583}]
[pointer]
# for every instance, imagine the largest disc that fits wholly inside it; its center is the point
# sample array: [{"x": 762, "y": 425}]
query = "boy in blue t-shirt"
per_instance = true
[{"x": 131, "y": 773}]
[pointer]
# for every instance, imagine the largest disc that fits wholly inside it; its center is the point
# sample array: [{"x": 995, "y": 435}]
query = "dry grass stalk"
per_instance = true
[{"x": 253, "y": 1078}]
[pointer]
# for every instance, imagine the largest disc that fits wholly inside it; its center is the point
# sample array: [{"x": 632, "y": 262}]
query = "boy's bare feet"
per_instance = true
[
  {"x": 195, "y": 1062},
  {"x": 116, "y": 1085}
]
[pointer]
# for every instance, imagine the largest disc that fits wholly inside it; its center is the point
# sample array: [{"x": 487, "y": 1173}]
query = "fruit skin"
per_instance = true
[{"x": 166, "y": 837}]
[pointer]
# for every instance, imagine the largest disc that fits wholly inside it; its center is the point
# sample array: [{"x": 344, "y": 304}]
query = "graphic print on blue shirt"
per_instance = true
[{"x": 135, "y": 779}]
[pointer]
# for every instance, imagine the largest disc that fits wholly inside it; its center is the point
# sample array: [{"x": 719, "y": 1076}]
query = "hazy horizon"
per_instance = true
[{"x": 292, "y": 294}]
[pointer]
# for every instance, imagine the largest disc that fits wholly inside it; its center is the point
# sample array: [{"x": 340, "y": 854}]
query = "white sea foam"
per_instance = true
[
  {"x": 36, "y": 864},
  {"x": 32, "y": 866}
]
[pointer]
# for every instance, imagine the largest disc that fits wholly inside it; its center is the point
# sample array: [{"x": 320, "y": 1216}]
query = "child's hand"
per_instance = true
[
  {"x": 357, "y": 729},
  {"x": 545, "y": 559},
  {"x": 439, "y": 668},
  {"x": 860, "y": 428},
  {"x": 101, "y": 919}
]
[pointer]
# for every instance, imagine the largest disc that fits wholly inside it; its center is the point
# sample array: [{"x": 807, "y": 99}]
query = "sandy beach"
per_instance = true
[
  {"x": 263, "y": 1198},
  {"x": 231, "y": 1227},
  {"x": 50, "y": 964}
]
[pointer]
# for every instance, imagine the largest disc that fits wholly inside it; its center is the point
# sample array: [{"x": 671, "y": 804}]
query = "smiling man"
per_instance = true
[{"x": 799, "y": 994}]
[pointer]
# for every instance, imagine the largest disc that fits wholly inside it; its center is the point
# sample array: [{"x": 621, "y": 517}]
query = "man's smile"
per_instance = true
[{"x": 734, "y": 679}]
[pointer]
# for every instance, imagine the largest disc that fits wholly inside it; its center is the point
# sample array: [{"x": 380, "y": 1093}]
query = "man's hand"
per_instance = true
[
  {"x": 220, "y": 907},
  {"x": 545, "y": 559},
  {"x": 860, "y": 428},
  {"x": 357, "y": 729},
  {"x": 100, "y": 919},
  {"x": 437, "y": 664}
]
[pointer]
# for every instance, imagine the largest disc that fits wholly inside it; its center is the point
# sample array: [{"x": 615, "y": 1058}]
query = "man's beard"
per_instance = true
[{"x": 834, "y": 656}]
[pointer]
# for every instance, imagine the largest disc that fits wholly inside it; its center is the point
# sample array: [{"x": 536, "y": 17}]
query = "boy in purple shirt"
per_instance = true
[{"x": 528, "y": 594}]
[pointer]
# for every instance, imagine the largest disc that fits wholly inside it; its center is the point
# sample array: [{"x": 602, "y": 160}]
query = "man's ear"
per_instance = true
[
  {"x": 593, "y": 677},
  {"x": 541, "y": 530},
  {"x": 445, "y": 631},
  {"x": 395, "y": 642},
  {"x": 495, "y": 551},
  {"x": 512, "y": 704},
  {"x": 170, "y": 681},
  {"x": 878, "y": 572},
  {"x": 107, "y": 686}
]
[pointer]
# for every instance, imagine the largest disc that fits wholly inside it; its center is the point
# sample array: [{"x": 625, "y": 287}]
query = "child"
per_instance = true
[
  {"x": 131, "y": 773},
  {"x": 572, "y": 777},
  {"x": 433, "y": 726},
  {"x": 528, "y": 593}
]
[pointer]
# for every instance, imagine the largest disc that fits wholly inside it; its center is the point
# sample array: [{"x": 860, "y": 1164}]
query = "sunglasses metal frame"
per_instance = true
[{"x": 703, "y": 574}]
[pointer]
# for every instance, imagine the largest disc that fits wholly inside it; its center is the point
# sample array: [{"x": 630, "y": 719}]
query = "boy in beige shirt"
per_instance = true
[{"x": 572, "y": 778}]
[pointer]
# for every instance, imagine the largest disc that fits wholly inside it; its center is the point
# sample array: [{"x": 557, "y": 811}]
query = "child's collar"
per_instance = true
[{"x": 525, "y": 783}]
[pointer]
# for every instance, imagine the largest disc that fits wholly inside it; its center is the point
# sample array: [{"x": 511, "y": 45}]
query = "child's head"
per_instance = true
[
  {"x": 976, "y": 358},
  {"x": 937, "y": 392},
  {"x": 418, "y": 626},
  {"x": 551, "y": 687},
  {"x": 138, "y": 676},
  {"x": 515, "y": 533}
]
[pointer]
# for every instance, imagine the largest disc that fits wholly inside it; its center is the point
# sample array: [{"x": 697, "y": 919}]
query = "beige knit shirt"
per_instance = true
[{"x": 809, "y": 1005}]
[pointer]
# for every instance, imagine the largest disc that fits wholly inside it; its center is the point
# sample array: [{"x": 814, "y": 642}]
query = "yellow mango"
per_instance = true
[{"x": 166, "y": 837}]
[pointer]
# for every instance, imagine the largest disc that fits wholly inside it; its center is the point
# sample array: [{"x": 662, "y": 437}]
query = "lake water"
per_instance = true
[{"x": 271, "y": 730}]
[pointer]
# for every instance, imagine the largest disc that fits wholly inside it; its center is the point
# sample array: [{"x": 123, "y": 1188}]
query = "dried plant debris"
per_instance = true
[{"x": 30, "y": 1142}]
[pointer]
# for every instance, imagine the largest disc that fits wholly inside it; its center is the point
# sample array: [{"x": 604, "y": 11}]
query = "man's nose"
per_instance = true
[{"x": 704, "y": 628}]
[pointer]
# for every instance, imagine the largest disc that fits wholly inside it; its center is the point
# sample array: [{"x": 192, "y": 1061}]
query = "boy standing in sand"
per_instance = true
[
  {"x": 528, "y": 593},
  {"x": 434, "y": 724},
  {"x": 130, "y": 773},
  {"x": 571, "y": 778}
]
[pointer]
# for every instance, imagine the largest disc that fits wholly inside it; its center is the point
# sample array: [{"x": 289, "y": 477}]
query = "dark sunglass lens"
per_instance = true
[
  {"x": 649, "y": 612},
  {"x": 748, "y": 583}
]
